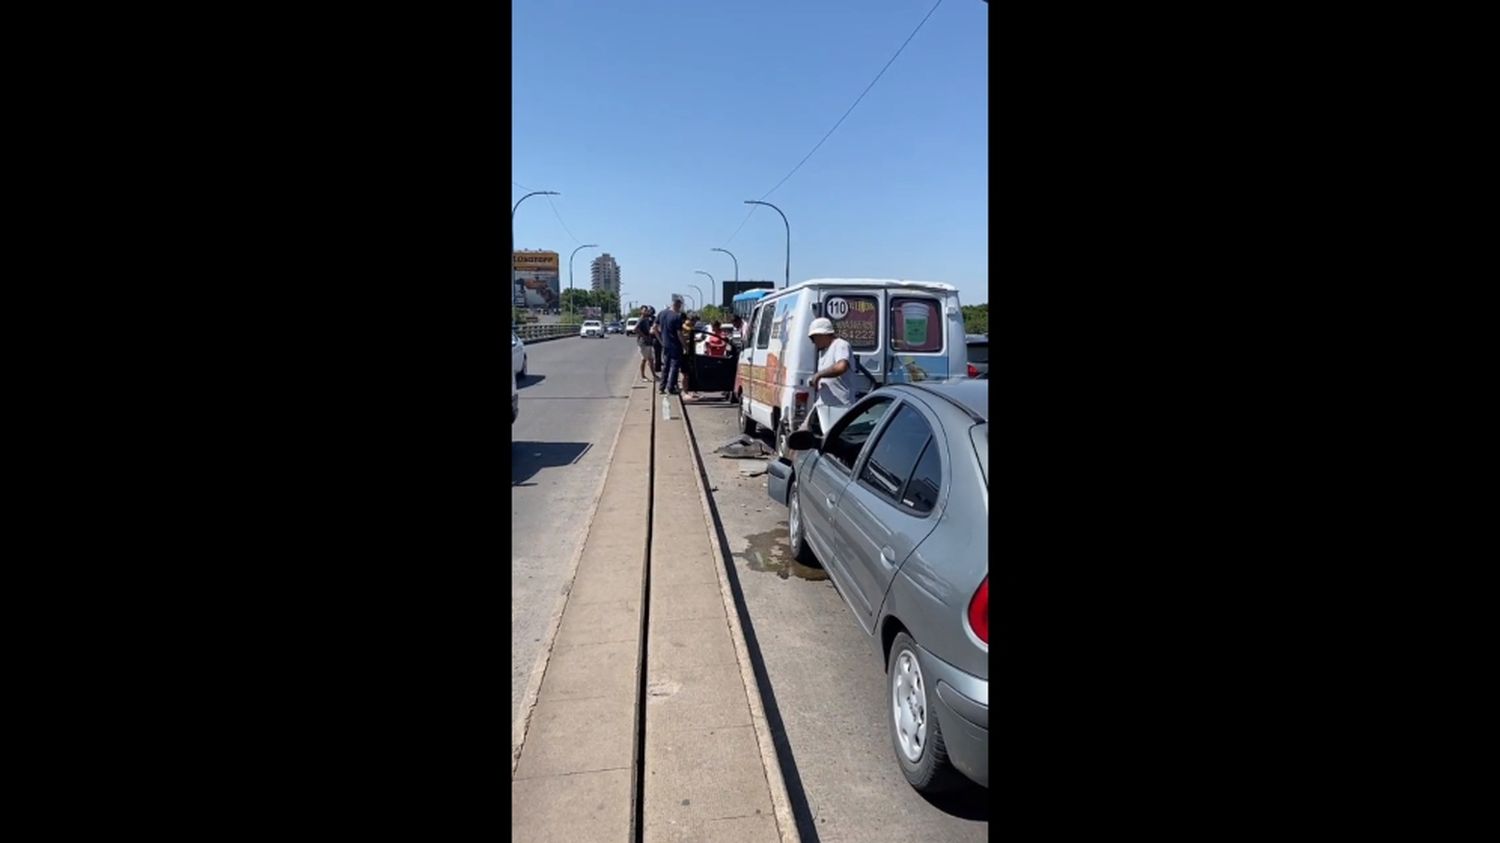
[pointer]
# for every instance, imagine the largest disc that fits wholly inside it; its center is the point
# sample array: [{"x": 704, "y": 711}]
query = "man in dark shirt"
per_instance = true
[
  {"x": 669, "y": 328},
  {"x": 644, "y": 342}
]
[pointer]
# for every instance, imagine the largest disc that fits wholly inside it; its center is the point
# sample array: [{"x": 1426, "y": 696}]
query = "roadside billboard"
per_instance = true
[
  {"x": 534, "y": 279},
  {"x": 734, "y": 288}
]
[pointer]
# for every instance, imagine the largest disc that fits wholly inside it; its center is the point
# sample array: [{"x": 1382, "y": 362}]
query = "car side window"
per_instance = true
[
  {"x": 848, "y": 439},
  {"x": 926, "y": 482},
  {"x": 895, "y": 453},
  {"x": 763, "y": 328}
]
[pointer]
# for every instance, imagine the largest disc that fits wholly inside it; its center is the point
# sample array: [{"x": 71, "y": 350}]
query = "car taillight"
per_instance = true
[
  {"x": 973, "y": 372},
  {"x": 979, "y": 611}
]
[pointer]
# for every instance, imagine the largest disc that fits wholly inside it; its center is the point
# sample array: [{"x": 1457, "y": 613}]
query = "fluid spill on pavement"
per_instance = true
[{"x": 769, "y": 553}]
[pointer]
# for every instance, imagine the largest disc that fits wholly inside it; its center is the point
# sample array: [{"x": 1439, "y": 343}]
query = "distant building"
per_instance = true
[{"x": 606, "y": 274}]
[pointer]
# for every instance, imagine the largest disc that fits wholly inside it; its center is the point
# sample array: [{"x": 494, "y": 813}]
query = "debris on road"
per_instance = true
[
  {"x": 755, "y": 469},
  {"x": 743, "y": 447}
]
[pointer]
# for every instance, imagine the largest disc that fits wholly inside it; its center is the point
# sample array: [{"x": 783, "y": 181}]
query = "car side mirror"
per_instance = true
[{"x": 804, "y": 440}]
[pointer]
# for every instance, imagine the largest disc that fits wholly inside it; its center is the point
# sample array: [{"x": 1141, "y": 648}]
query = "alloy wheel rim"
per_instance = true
[
  {"x": 909, "y": 706},
  {"x": 794, "y": 517}
]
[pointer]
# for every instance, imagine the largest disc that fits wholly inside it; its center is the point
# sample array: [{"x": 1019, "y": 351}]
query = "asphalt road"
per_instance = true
[
  {"x": 571, "y": 401},
  {"x": 825, "y": 674}
]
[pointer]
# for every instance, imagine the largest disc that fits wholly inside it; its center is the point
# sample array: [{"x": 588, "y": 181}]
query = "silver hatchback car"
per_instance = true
[{"x": 894, "y": 501}]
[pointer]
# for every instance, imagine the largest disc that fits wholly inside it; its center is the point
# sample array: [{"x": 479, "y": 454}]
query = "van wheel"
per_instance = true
[
  {"x": 747, "y": 424},
  {"x": 783, "y": 431}
]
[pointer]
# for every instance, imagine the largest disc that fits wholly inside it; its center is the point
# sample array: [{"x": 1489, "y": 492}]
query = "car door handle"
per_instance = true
[{"x": 887, "y": 554}]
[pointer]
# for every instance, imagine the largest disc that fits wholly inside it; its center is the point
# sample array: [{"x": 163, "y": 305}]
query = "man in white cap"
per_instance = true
[{"x": 833, "y": 383}]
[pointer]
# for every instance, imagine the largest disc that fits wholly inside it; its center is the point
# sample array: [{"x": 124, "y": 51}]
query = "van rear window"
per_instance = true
[
  {"x": 916, "y": 325},
  {"x": 856, "y": 318}
]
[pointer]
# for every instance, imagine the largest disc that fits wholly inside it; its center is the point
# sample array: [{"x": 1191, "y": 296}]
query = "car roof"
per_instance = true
[{"x": 970, "y": 396}]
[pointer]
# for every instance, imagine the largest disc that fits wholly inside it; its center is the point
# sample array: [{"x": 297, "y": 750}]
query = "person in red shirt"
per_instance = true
[{"x": 716, "y": 346}]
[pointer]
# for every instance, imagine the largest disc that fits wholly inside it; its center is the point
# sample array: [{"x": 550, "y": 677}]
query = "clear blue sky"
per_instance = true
[{"x": 656, "y": 119}]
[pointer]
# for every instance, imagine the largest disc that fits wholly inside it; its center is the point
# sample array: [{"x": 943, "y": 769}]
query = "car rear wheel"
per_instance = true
[
  {"x": 914, "y": 725},
  {"x": 523, "y": 367}
]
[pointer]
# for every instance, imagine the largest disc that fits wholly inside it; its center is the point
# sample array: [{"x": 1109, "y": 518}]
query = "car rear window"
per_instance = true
[
  {"x": 916, "y": 325},
  {"x": 979, "y": 352}
]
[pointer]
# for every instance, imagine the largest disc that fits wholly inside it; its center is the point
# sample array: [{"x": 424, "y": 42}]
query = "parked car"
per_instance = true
[
  {"x": 894, "y": 503},
  {"x": 615, "y": 328},
  {"x": 592, "y": 328},
  {"x": 899, "y": 331},
  {"x": 517, "y": 355},
  {"x": 630, "y": 325},
  {"x": 979, "y": 354},
  {"x": 515, "y": 399}
]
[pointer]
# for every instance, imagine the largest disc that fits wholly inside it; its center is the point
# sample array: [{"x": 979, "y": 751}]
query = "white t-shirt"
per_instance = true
[{"x": 836, "y": 391}]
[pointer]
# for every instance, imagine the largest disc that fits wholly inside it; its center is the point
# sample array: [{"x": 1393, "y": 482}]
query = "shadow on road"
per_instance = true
[
  {"x": 529, "y": 380},
  {"x": 969, "y": 801},
  {"x": 527, "y": 458}
]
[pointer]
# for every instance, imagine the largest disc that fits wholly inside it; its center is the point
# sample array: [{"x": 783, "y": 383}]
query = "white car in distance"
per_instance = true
[
  {"x": 517, "y": 356},
  {"x": 592, "y": 328}
]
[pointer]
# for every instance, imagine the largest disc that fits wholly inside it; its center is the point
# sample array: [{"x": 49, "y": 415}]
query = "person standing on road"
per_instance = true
[
  {"x": 656, "y": 342},
  {"x": 645, "y": 342},
  {"x": 833, "y": 383},
  {"x": 669, "y": 328}
]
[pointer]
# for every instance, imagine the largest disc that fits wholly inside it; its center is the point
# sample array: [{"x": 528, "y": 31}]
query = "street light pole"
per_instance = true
[
  {"x": 733, "y": 258},
  {"x": 570, "y": 269},
  {"x": 711, "y": 281},
  {"x": 513, "y": 234},
  {"x": 701, "y": 299},
  {"x": 788, "y": 278}
]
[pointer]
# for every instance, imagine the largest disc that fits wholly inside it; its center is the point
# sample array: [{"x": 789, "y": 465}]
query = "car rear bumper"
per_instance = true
[{"x": 963, "y": 702}]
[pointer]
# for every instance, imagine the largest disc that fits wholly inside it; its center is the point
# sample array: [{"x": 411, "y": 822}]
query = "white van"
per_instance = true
[{"x": 900, "y": 332}]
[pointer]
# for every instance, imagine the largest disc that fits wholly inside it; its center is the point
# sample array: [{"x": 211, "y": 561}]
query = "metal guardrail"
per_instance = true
[{"x": 533, "y": 332}]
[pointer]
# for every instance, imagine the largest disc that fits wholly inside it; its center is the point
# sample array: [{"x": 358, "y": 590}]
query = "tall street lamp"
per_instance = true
[
  {"x": 701, "y": 300},
  {"x": 711, "y": 281},
  {"x": 733, "y": 258},
  {"x": 513, "y": 232},
  {"x": 788, "y": 278},
  {"x": 570, "y": 270}
]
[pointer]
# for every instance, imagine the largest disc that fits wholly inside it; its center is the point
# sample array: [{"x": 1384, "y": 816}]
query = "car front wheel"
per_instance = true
[
  {"x": 795, "y": 537},
  {"x": 914, "y": 726}
]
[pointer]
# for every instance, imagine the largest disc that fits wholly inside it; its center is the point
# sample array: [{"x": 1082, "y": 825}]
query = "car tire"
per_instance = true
[
  {"x": 522, "y": 376},
  {"x": 912, "y": 711},
  {"x": 795, "y": 527},
  {"x": 747, "y": 424}
]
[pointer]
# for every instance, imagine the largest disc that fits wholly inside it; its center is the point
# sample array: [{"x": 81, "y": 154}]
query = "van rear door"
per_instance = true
[
  {"x": 925, "y": 343},
  {"x": 857, "y": 315}
]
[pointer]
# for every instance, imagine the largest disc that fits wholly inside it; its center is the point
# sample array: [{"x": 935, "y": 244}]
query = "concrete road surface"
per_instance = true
[
  {"x": 825, "y": 674},
  {"x": 572, "y": 401}
]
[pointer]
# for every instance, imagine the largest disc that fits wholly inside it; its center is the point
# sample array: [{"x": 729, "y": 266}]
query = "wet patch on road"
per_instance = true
[{"x": 769, "y": 553}]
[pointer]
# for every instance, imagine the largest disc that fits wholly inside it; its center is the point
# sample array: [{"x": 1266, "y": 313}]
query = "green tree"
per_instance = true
[{"x": 977, "y": 318}]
